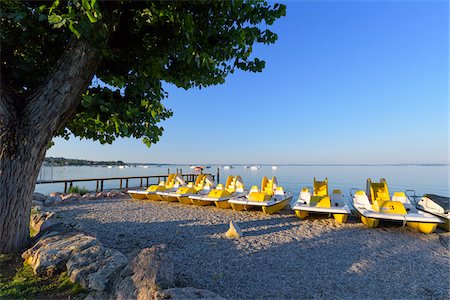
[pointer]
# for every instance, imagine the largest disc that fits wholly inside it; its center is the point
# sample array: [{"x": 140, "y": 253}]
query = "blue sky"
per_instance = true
[{"x": 346, "y": 82}]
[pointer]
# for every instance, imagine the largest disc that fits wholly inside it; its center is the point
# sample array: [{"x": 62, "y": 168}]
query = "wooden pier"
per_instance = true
[{"x": 142, "y": 180}]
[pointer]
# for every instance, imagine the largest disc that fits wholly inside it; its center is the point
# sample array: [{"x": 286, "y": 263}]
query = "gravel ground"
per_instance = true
[{"x": 280, "y": 256}]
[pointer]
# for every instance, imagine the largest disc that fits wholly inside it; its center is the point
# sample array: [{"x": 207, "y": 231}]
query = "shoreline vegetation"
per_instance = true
[{"x": 62, "y": 161}]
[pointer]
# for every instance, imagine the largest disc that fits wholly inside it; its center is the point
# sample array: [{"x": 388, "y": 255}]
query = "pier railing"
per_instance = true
[{"x": 68, "y": 183}]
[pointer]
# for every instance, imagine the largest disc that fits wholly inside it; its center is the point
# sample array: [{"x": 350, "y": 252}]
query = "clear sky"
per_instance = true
[{"x": 346, "y": 82}]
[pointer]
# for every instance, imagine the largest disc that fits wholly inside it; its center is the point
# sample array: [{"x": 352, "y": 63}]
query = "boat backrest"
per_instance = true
[
  {"x": 254, "y": 189},
  {"x": 279, "y": 191},
  {"x": 162, "y": 183},
  {"x": 219, "y": 187},
  {"x": 337, "y": 199},
  {"x": 321, "y": 187},
  {"x": 360, "y": 199},
  {"x": 305, "y": 195},
  {"x": 400, "y": 197},
  {"x": 377, "y": 191}
]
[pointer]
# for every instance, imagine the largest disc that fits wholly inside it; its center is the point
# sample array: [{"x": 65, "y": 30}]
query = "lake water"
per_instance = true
[{"x": 422, "y": 179}]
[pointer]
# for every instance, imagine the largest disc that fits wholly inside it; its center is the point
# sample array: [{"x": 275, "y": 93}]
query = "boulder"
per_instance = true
[
  {"x": 70, "y": 198},
  {"x": 186, "y": 293},
  {"x": 37, "y": 220},
  {"x": 54, "y": 199},
  {"x": 49, "y": 201},
  {"x": 50, "y": 255},
  {"x": 39, "y": 197},
  {"x": 150, "y": 271},
  {"x": 88, "y": 196},
  {"x": 234, "y": 231},
  {"x": 37, "y": 203}
]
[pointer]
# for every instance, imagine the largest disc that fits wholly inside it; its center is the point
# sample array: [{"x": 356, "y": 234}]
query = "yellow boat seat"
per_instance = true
[{"x": 259, "y": 196}]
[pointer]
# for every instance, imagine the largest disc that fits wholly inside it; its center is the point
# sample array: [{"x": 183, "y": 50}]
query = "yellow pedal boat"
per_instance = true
[
  {"x": 219, "y": 196},
  {"x": 318, "y": 201},
  {"x": 376, "y": 204},
  {"x": 174, "y": 181},
  {"x": 202, "y": 186},
  {"x": 271, "y": 199}
]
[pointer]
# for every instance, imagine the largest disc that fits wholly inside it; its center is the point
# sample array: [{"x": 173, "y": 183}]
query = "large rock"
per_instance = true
[
  {"x": 37, "y": 220},
  {"x": 50, "y": 255},
  {"x": 150, "y": 271},
  {"x": 70, "y": 198},
  {"x": 39, "y": 197},
  {"x": 186, "y": 293},
  {"x": 37, "y": 203},
  {"x": 88, "y": 196},
  {"x": 53, "y": 200}
]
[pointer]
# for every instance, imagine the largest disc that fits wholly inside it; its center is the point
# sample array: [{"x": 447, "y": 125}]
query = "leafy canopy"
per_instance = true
[{"x": 139, "y": 44}]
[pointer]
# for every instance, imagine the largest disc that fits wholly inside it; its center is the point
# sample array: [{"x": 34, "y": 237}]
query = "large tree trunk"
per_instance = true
[{"x": 27, "y": 126}]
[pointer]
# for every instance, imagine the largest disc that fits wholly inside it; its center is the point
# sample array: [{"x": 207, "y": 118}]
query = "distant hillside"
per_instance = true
[{"x": 61, "y": 161}]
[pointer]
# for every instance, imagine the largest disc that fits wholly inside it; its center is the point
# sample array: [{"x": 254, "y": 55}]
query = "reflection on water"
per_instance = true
[{"x": 422, "y": 179}]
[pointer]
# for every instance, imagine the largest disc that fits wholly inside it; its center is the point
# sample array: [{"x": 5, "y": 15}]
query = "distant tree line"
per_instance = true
[{"x": 61, "y": 161}]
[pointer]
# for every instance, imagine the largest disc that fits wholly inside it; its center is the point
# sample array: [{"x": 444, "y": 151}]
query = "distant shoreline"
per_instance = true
[{"x": 61, "y": 162}]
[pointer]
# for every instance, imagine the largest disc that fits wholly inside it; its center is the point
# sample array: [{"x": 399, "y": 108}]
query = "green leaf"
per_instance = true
[
  {"x": 74, "y": 30},
  {"x": 54, "y": 6},
  {"x": 54, "y": 19},
  {"x": 91, "y": 17},
  {"x": 86, "y": 5}
]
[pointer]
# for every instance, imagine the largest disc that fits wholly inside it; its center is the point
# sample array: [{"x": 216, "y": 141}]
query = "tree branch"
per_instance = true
[{"x": 55, "y": 101}]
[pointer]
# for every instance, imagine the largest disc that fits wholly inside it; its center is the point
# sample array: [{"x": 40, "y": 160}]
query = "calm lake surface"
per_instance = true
[{"x": 422, "y": 179}]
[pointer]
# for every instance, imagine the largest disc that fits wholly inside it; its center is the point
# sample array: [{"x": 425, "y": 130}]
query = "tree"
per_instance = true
[{"x": 94, "y": 69}]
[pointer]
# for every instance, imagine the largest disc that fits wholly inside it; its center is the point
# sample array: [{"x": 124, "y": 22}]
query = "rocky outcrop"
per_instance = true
[
  {"x": 60, "y": 198},
  {"x": 106, "y": 273},
  {"x": 150, "y": 271}
]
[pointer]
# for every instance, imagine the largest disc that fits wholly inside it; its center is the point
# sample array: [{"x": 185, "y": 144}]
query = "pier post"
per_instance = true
[
  {"x": 168, "y": 171},
  {"x": 65, "y": 187},
  {"x": 217, "y": 176},
  {"x": 101, "y": 186},
  {"x": 147, "y": 181},
  {"x": 126, "y": 183},
  {"x": 120, "y": 183},
  {"x": 96, "y": 187},
  {"x": 141, "y": 183}
]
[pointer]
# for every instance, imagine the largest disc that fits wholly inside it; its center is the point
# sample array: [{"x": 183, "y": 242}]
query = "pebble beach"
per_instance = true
[{"x": 279, "y": 256}]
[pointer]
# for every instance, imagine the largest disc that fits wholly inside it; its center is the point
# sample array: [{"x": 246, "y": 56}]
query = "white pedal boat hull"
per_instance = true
[{"x": 421, "y": 217}]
